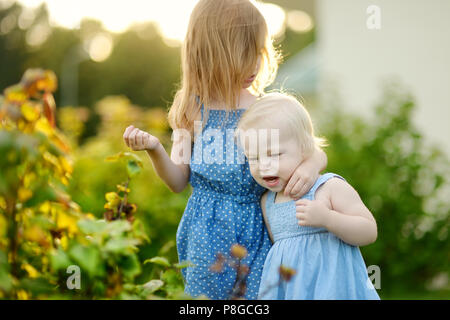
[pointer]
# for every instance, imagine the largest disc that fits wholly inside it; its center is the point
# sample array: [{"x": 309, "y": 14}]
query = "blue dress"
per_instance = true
[
  {"x": 223, "y": 209},
  {"x": 326, "y": 267}
]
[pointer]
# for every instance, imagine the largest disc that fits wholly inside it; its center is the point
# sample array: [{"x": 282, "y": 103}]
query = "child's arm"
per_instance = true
[
  {"x": 306, "y": 174},
  {"x": 349, "y": 219},
  {"x": 172, "y": 171},
  {"x": 263, "y": 207}
]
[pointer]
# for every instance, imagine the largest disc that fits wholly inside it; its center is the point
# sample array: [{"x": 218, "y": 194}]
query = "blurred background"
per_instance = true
[{"x": 375, "y": 76}]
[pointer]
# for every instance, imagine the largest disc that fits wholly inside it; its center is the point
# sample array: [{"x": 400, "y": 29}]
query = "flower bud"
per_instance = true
[
  {"x": 238, "y": 251},
  {"x": 286, "y": 273},
  {"x": 219, "y": 264}
]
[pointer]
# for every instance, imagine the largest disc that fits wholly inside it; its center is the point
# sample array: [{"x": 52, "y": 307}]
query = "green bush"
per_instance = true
[
  {"x": 404, "y": 182},
  {"x": 44, "y": 235}
]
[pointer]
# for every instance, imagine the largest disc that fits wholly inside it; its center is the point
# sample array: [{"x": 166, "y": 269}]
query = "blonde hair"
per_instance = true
[
  {"x": 221, "y": 49},
  {"x": 292, "y": 114}
]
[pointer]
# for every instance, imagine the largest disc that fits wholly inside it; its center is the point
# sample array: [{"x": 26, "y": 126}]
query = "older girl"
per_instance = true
[{"x": 227, "y": 61}]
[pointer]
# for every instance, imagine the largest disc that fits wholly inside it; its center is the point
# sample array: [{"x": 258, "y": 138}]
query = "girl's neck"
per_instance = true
[{"x": 246, "y": 99}]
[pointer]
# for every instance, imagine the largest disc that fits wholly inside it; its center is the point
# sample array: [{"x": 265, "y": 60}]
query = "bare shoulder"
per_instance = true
[
  {"x": 332, "y": 188},
  {"x": 263, "y": 209},
  {"x": 333, "y": 184},
  {"x": 263, "y": 200},
  {"x": 339, "y": 186},
  {"x": 198, "y": 115},
  {"x": 345, "y": 199}
]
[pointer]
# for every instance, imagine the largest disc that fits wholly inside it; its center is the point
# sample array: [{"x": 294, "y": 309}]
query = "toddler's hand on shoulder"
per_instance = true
[
  {"x": 312, "y": 213},
  {"x": 139, "y": 140}
]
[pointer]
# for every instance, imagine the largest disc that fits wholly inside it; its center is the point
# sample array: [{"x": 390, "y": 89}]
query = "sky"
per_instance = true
[{"x": 117, "y": 15}]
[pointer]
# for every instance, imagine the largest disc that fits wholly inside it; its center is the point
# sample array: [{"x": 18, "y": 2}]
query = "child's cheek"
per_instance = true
[{"x": 254, "y": 173}]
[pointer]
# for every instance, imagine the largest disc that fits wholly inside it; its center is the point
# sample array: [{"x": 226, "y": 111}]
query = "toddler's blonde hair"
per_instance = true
[
  {"x": 221, "y": 49},
  {"x": 293, "y": 115}
]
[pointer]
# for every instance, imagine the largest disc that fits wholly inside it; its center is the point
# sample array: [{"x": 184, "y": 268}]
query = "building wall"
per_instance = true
[{"x": 413, "y": 46}]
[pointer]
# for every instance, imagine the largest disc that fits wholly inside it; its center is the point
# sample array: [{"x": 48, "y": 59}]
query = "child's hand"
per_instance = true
[
  {"x": 301, "y": 181},
  {"x": 312, "y": 213},
  {"x": 139, "y": 140}
]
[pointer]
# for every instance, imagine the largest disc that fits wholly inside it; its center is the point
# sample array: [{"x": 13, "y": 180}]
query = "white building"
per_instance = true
[{"x": 411, "y": 45}]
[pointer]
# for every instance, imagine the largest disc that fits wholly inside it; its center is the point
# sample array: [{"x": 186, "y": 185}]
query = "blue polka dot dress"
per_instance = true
[{"x": 223, "y": 209}]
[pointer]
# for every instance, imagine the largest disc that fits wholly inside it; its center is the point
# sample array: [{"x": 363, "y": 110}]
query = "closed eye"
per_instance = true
[{"x": 256, "y": 158}]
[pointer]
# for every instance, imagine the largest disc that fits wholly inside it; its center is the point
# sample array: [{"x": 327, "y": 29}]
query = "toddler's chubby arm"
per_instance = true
[
  {"x": 172, "y": 171},
  {"x": 263, "y": 207},
  {"x": 339, "y": 208}
]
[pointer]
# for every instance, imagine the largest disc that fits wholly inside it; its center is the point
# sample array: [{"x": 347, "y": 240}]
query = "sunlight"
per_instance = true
[
  {"x": 117, "y": 16},
  {"x": 300, "y": 21},
  {"x": 99, "y": 47},
  {"x": 37, "y": 35},
  {"x": 275, "y": 18}
]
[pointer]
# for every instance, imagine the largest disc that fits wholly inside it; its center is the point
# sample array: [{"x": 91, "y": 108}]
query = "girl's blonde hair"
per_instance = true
[
  {"x": 221, "y": 49},
  {"x": 290, "y": 112}
]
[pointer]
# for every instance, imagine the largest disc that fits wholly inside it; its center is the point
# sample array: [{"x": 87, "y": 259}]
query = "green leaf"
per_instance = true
[
  {"x": 128, "y": 296},
  {"x": 134, "y": 157},
  {"x": 92, "y": 226},
  {"x": 183, "y": 264},
  {"x": 115, "y": 157},
  {"x": 172, "y": 278},
  {"x": 121, "y": 245},
  {"x": 130, "y": 266},
  {"x": 59, "y": 260},
  {"x": 139, "y": 231},
  {"x": 88, "y": 258},
  {"x": 5, "y": 279},
  {"x": 162, "y": 261},
  {"x": 134, "y": 163},
  {"x": 98, "y": 288},
  {"x": 37, "y": 285},
  {"x": 117, "y": 228},
  {"x": 153, "y": 285},
  {"x": 133, "y": 168},
  {"x": 41, "y": 194},
  {"x": 42, "y": 221},
  {"x": 6, "y": 140},
  {"x": 126, "y": 155}
]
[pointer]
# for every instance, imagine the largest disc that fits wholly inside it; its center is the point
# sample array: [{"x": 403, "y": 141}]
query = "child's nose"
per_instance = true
[{"x": 265, "y": 165}]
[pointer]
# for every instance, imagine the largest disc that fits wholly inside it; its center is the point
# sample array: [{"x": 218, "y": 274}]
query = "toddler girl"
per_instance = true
[{"x": 318, "y": 236}]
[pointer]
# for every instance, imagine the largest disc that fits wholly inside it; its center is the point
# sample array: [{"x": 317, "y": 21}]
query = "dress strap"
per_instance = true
[
  {"x": 321, "y": 180},
  {"x": 269, "y": 200},
  {"x": 197, "y": 98}
]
